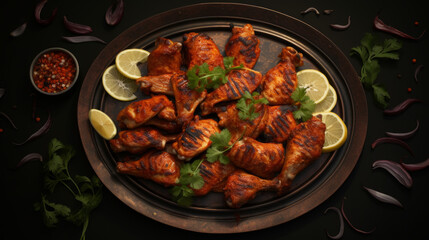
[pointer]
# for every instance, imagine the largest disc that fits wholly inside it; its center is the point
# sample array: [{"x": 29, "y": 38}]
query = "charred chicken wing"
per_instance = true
[
  {"x": 159, "y": 84},
  {"x": 214, "y": 175},
  {"x": 280, "y": 81},
  {"x": 200, "y": 48},
  {"x": 280, "y": 123},
  {"x": 160, "y": 167},
  {"x": 243, "y": 46},
  {"x": 165, "y": 58},
  {"x": 139, "y": 140}
]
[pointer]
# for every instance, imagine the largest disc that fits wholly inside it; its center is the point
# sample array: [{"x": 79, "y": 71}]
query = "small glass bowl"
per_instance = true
[{"x": 49, "y": 73}]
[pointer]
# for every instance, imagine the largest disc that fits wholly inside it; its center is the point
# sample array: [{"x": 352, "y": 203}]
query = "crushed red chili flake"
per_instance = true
[
  {"x": 414, "y": 60},
  {"x": 54, "y": 71},
  {"x": 1, "y": 130},
  {"x": 37, "y": 119},
  {"x": 409, "y": 89},
  {"x": 416, "y": 23}
]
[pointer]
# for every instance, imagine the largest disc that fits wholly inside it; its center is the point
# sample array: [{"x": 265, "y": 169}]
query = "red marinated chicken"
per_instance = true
[
  {"x": 200, "y": 48},
  {"x": 239, "y": 81},
  {"x": 159, "y": 84},
  {"x": 261, "y": 159},
  {"x": 160, "y": 167},
  {"x": 304, "y": 146},
  {"x": 243, "y": 46},
  {"x": 280, "y": 123},
  {"x": 165, "y": 58},
  {"x": 280, "y": 81},
  {"x": 137, "y": 113},
  {"x": 195, "y": 138},
  {"x": 139, "y": 140},
  {"x": 214, "y": 175}
]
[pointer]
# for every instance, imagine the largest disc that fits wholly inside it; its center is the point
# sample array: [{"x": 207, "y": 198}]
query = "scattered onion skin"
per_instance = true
[
  {"x": 8, "y": 119},
  {"x": 382, "y": 197},
  {"x": 310, "y": 9},
  {"x": 391, "y": 140},
  {"x": 401, "y": 107},
  {"x": 38, "y": 10},
  {"x": 350, "y": 224},
  {"x": 415, "y": 166},
  {"x": 115, "y": 13},
  {"x": 84, "y": 38},
  {"x": 29, "y": 157},
  {"x": 44, "y": 129},
  {"x": 19, "y": 30},
  {"x": 404, "y": 135},
  {"x": 340, "y": 216},
  {"x": 76, "y": 27},
  {"x": 417, "y": 71},
  {"x": 397, "y": 171},
  {"x": 342, "y": 27},
  {"x": 380, "y": 25}
]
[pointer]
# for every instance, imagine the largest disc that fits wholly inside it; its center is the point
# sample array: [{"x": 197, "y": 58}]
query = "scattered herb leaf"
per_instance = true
[
  {"x": 306, "y": 105},
  {"x": 246, "y": 106},
  {"x": 190, "y": 178}
]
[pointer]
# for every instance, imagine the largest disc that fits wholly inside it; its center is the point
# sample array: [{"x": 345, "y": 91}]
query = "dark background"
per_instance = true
[{"x": 114, "y": 220}]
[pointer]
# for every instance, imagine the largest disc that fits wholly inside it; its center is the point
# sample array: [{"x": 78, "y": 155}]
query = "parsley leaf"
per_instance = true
[
  {"x": 369, "y": 52},
  {"x": 189, "y": 179},
  {"x": 200, "y": 77},
  {"x": 246, "y": 105},
  {"x": 306, "y": 105}
]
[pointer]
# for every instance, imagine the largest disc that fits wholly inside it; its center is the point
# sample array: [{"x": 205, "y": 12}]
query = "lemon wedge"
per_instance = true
[
  {"x": 126, "y": 61},
  {"x": 315, "y": 83},
  {"x": 327, "y": 104},
  {"x": 335, "y": 133},
  {"x": 118, "y": 86},
  {"x": 102, "y": 124}
]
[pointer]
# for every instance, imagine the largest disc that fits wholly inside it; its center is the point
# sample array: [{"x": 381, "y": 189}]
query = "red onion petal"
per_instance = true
[
  {"x": 341, "y": 231},
  {"x": 76, "y": 27},
  {"x": 45, "y": 128},
  {"x": 310, "y": 9},
  {"x": 19, "y": 30},
  {"x": 342, "y": 27},
  {"x": 38, "y": 10},
  {"x": 380, "y": 25},
  {"x": 328, "y": 11},
  {"x": 415, "y": 166},
  {"x": 8, "y": 119},
  {"x": 382, "y": 197},
  {"x": 115, "y": 13},
  {"x": 391, "y": 140},
  {"x": 29, "y": 157},
  {"x": 81, "y": 39},
  {"x": 416, "y": 73},
  {"x": 396, "y": 170},
  {"x": 350, "y": 224},
  {"x": 404, "y": 135},
  {"x": 401, "y": 107}
]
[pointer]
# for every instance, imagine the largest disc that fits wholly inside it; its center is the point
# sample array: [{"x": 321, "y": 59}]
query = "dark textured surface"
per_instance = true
[{"x": 115, "y": 220}]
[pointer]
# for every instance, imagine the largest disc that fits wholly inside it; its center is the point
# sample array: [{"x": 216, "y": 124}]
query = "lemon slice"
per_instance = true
[
  {"x": 102, "y": 123},
  {"x": 327, "y": 104},
  {"x": 118, "y": 86},
  {"x": 315, "y": 82},
  {"x": 127, "y": 60},
  {"x": 335, "y": 133}
]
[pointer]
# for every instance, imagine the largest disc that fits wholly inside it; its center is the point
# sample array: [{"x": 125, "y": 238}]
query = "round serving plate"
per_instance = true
[{"x": 209, "y": 214}]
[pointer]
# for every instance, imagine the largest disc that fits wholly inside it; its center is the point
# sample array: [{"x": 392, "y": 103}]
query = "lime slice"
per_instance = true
[
  {"x": 102, "y": 124},
  {"x": 127, "y": 60},
  {"x": 118, "y": 86},
  {"x": 327, "y": 104},
  {"x": 335, "y": 133},
  {"x": 315, "y": 82}
]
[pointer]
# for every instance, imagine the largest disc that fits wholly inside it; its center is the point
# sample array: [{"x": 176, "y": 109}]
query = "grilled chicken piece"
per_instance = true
[
  {"x": 228, "y": 118},
  {"x": 137, "y": 113},
  {"x": 187, "y": 100},
  {"x": 239, "y": 81},
  {"x": 242, "y": 187},
  {"x": 166, "y": 58},
  {"x": 280, "y": 81},
  {"x": 214, "y": 175},
  {"x": 195, "y": 138},
  {"x": 160, "y": 84},
  {"x": 160, "y": 167},
  {"x": 139, "y": 140},
  {"x": 280, "y": 123},
  {"x": 167, "y": 126},
  {"x": 243, "y": 46},
  {"x": 261, "y": 159},
  {"x": 200, "y": 48},
  {"x": 304, "y": 146}
]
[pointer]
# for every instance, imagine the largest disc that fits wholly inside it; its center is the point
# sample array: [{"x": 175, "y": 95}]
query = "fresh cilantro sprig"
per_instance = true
[
  {"x": 369, "y": 52},
  {"x": 220, "y": 145},
  {"x": 305, "y": 104},
  {"x": 200, "y": 77},
  {"x": 189, "y": 179},
  {"x": 246, "y": 106},
  {"x": 87, "y": 191}
]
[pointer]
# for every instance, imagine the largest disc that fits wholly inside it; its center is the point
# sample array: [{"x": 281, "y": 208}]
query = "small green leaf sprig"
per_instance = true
[{"x": 246, "y": 106}]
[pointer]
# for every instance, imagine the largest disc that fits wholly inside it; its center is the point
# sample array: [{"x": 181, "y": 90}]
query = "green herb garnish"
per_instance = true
[
  {"x": 200, "y": 77},
  {"x": 306, "y": 105},
  {"x": 220, "y": 145},
  {"x": 190, "y": 178},
  {"x": 87, "y": 191},
  {"x": 369, "y": 52},
  {"x": 246, "y": 105}
]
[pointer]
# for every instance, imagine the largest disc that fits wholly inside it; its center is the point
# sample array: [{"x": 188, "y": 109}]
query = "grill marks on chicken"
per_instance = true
[
  {"x": 160, "y": 84},
  {"x": 137, "y": 113},
  {"x": 243, "y": 45},
  {"x": 160, "y": 167},
  {"x": 165, "y": 58},
  {"x": 195, "y": 138},
  {"x": 280, "y": 81},
  {"x": 261, "y": 159},
  {"x": 239, "y": 81},
  {"x": 139, "y": 140},
  {"x": 280, "y": 123},
  {"x": 214, "y": 175},
  {"x": 199, "y": 48}
]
